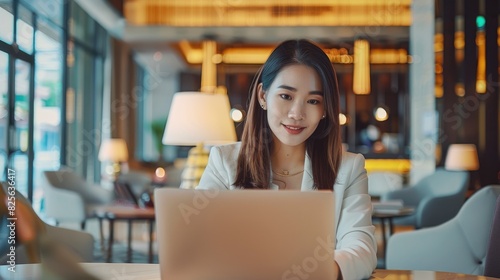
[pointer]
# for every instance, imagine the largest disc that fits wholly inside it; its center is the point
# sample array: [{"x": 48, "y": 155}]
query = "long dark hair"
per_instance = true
[{"x": 324, "y": 146}]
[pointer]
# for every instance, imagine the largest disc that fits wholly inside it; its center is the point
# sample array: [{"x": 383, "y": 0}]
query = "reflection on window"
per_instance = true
[
  {"x": 25, "y": 30},
  {"x": 6, "y": 31},
  {"x": 48, "y": 89},
  {"x": 81, "y": 25},
  {"x": 21, "y": 105},
  {"x": 21, "y": 124},
  {"x": 4, "y": 70},
  {"x": 47, "y": 107},
  {"x": 50, "y": 9}
]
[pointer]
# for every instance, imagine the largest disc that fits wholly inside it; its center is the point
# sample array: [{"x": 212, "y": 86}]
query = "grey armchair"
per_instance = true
[
  {"x": 69, "y": 198},
  {"x": 459, "y": 245},
  {"x": 436, "y": 198},
  {"x": 78, "y": 245},
  {"x": 492, "y": 264},
  {"x": 58, "y": 250}
]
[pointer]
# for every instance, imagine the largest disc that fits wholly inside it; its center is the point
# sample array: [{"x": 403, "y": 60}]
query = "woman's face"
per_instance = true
[{"x": 294, "y": 104}]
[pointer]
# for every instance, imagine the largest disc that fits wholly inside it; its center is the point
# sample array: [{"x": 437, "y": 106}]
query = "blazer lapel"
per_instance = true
[{"x": 307, "y": 178}]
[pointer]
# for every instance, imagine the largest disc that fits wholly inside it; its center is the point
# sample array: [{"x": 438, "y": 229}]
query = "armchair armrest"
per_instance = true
[
  {"x": 78, "y": 242},
  {"x": 63, "y": 205},
  {"x": 407, "y": 250}
]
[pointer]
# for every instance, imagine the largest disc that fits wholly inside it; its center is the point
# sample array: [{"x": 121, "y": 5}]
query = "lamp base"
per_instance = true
[
  {"x": 113, "y": 170},
  {"x": 195, "y": 166}
]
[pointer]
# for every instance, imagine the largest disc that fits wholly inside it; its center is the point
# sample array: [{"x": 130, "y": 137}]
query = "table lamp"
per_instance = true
[
  {"x": 463, "y": 157},
  {"x": 198, "y": 119},
  {"x": 113, "y": 151}
]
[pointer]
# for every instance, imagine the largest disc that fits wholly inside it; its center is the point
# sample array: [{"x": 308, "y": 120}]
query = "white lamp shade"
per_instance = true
[
  {"x": 197, "y": 117},
  {"x": 113, "y": 150},
  {"x": 462, "y": 157}
]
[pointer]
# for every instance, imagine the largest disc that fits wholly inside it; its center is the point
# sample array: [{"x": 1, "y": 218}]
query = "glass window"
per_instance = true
[
  {"x": 25, "y": 30},
  {"x": 48, "y": 98},
  {"x": 4, "y": 107},
  {"x": 7, "y": 29},
  {"x": 101, "y": 39},
  {"x": 22, "y": 120},
  {"x": 81, "y": 26},
  {"x": 86, "y": 51},
  {"x": 82, "y": 115},
  {"x": 50, "y": 9}
]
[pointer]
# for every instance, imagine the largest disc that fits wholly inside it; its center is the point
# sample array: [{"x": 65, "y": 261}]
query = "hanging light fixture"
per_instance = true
[
  {"x": 361, "y": 79},
  {"x": 208, "y": 67},
  {"x": 481, "y": 62},
  {"x": 381, "y": 111}
]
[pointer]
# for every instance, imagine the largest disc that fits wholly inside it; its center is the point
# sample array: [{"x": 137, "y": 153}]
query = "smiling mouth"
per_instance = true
[{"x": 293, "y": 129}]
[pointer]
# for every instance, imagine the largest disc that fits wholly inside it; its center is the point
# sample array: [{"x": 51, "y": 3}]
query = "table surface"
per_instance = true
[
  {"x": 406, "y": 211},
  {"x": 124, "y": 212},
  {"x": 118, "y": 271}
]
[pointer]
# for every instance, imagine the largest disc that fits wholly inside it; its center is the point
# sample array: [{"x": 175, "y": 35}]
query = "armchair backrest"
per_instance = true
[
  {"x": 458, "y": 245},
  {"x": 440, "y": 183},
  {"x": 492, "y": 264},
  {"x": 37, "y": 241},
  {"x": 66, "y": 178},
  {"x": 443, "y": 182}
]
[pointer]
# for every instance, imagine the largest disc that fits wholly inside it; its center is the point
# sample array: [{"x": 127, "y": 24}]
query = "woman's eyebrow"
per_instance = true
[{"x": 315, "y": 92}]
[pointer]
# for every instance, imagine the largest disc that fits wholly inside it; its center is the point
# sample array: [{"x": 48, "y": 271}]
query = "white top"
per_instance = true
[{"x": 356, "y": 245}]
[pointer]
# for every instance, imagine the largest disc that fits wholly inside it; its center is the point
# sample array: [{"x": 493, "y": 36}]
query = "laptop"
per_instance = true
[{"x": 245, "y": 234}]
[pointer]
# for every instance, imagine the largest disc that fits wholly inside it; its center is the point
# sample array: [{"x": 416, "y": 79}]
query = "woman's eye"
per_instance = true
[
  {"x": 285, "y": 96},
  {"x": 314, "y": 102}
]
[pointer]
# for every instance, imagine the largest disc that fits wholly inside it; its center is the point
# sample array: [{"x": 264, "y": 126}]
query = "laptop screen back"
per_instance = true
[{"x": 245, "y": 234}]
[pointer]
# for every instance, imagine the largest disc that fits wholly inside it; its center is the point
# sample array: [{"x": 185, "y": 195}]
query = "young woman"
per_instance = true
[{"x": 291, "y": 140}]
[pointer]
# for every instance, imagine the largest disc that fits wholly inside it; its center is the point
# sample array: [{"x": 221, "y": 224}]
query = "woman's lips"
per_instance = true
[{"x": 293, "y": 129}]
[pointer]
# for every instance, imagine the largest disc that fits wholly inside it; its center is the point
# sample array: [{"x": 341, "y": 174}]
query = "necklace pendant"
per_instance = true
[{"x": 286, "y": 172}]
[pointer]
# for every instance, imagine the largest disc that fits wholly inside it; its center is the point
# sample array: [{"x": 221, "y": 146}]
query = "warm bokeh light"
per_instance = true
[
  {"x": 460, "y": 89},
  {"x": 160, "y": 172},
  {"x": 237, "y": 115},
  {"x": 342, "y": 119},
  {"x": 381, "y": 114}
]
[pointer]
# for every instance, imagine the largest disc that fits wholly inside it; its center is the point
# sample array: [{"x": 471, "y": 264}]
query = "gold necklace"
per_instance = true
[
  {"x": 286, "y": 173},
  {"x": 281, "y": 184}
]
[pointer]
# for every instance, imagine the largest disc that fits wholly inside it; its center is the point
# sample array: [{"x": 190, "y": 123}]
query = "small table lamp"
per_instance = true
[
  {"x": 463, "y": 157},
  {"x": 113, "y": 151},
  {"x": 196, "y": 119}
]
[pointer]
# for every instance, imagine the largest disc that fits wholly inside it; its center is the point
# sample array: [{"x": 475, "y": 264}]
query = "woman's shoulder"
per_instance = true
[
  {"x": 226, "y": 152},
  {"x": 353, "y": 166},
  {"x": 228, "y": 149},
  {"x": 350, "y": 160}
]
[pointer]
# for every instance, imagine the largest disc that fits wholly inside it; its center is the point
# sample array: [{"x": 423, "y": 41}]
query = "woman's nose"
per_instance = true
[{"x": 296, "y": 111}]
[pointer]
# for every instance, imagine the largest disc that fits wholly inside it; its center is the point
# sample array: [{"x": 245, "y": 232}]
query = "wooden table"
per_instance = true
[
  {"x": 129, "y": 214},
  {"x": 109, "y": 271}
]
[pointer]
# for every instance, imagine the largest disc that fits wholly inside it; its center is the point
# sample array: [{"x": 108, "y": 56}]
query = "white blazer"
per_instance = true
[{"x": 356, "y": 245}]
